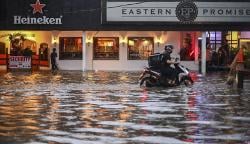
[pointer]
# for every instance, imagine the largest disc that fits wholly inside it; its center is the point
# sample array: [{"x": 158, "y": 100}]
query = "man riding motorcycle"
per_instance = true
[
  {"x": 167, "y": 71},
  {"x": 160, "y": 72}
]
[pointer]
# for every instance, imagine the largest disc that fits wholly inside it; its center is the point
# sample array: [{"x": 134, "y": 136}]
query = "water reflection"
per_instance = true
[{"x": 102, "y": 107}]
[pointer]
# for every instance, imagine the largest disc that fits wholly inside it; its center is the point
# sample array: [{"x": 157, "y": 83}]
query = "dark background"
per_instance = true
[{"x": 87, "y": 15}]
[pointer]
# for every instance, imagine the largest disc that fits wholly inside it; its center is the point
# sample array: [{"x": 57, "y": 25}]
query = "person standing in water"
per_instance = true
[{"x": 53, "y": 57}]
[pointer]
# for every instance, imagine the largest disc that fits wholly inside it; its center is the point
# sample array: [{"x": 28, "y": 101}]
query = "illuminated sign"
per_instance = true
[
  {"x": 40, "y": 20},
  {"x": 184, "y": 11},
  {"x": 38, "y": 8}
]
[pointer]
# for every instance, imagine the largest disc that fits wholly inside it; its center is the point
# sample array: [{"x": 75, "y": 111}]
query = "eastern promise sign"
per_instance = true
[{"x": 185, "y": 11}]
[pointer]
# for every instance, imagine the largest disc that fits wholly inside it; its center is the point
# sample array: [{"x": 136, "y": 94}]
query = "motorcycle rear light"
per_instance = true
[{"x": 193, "y": 75}]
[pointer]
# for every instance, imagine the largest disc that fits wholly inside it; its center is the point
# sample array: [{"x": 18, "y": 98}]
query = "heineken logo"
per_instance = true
[
  {"x": 41, "y": 20},
  {"x": 186, "y": 11},
  {"x": 38, "y": 8}
]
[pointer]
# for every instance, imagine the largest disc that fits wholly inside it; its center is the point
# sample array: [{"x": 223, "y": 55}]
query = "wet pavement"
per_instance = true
[{"x": 111, "y": 108}]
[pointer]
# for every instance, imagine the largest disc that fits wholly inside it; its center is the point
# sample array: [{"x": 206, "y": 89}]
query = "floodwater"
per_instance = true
[{"x": 111, "y": 108}]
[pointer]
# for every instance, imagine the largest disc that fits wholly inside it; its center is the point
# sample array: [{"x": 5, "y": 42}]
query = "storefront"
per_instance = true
[{"x": 120, "y": 35}]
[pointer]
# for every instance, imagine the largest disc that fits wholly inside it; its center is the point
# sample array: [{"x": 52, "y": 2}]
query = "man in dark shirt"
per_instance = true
[
  {"x": 166, "y": 70},
  {"x": 53, "y": 57}
]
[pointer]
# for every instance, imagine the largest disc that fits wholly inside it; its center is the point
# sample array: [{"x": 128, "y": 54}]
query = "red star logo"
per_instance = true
[{"x": 37, "y": 7}]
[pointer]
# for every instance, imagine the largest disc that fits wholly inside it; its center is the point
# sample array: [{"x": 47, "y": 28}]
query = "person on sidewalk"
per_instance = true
[
  {"x": 237, "y": 64},
  {"x": 53, "y": 57}
]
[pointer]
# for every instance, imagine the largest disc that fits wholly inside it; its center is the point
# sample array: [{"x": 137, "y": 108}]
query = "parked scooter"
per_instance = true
[{"x": 152, "y": 77}]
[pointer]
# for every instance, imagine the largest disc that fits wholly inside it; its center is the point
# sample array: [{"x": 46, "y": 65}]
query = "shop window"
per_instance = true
[
  {"x": 140, "y": 48},
  {"x": 187, "y": 49},
  {"x": 223, "y": 46},
  {"x": 21, "y": 46},
  {"x": 214, "y": 38},
  {"x": 232, "y": 38},
  {"x": 106, "y": 48},
  {"x": 70, "y": 48}
]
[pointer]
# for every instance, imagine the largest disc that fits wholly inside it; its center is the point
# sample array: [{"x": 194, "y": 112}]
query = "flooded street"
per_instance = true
[{"x": 111, "y": 108}]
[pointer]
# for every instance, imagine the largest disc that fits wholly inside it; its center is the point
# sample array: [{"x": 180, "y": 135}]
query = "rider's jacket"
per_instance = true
[{"x": 165, "y": 56}]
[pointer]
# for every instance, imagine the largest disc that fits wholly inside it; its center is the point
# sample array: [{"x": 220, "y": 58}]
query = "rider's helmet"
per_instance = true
[{"x": 169, "y": 48}]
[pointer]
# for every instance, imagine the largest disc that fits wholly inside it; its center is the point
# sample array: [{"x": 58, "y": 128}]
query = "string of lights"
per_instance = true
[{"x": 97, "y": 9}]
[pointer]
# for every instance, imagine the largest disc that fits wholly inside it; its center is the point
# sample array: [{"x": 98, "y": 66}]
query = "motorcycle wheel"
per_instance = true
[
  {"x": 148, "y": 82},
  {"x": 188, "y": 81}
]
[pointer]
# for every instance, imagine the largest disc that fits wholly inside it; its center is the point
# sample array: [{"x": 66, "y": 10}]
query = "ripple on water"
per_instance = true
[
  {"x": 237, "y": 118},
  {"x": 201, "y": 122},
  {"x": 223, "y": 137},
  {"x": 157, "y": 140},
  {"x": 95, "y": 130},
  {"x": 111, "y": 108}
]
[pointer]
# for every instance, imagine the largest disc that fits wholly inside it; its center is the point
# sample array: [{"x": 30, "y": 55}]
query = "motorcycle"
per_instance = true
[{"x": 152, "y": 77}]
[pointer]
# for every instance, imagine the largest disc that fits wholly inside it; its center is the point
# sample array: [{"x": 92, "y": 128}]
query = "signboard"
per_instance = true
[
  {"x": 42, "y": 20},
  {"x": 184, "y": 11},
  {"x": 23, "y": 62}
]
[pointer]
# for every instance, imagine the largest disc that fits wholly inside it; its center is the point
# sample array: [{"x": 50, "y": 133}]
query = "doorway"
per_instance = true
[{"x": 43, "y": 54}]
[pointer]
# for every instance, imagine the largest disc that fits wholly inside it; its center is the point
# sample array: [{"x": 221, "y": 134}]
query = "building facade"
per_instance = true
[{"x": 119, "y": 35}]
